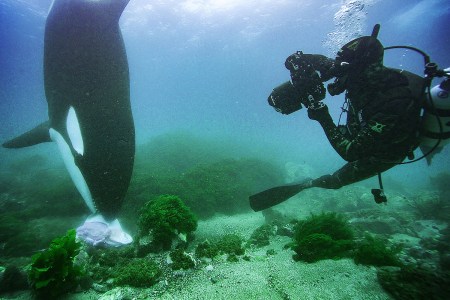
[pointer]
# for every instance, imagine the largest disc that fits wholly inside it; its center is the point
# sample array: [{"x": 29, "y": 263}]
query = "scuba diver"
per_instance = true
[{"x": 383, "y": 107}]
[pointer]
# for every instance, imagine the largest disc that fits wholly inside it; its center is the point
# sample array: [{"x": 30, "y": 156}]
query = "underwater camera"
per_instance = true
[
  {"x": 305, "y": 88},
  {"x": 285, "y": 98}
]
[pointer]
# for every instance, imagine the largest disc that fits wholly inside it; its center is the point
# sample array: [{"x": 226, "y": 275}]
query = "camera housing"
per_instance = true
[{"x": 285, "y": 98}]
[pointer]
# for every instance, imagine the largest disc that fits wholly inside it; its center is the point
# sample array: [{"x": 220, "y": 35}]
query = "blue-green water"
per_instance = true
[{"x": 200, "y": 75}]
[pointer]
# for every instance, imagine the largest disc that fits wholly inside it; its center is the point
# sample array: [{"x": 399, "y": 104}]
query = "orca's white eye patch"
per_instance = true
[{"x": 74, "y": 131}]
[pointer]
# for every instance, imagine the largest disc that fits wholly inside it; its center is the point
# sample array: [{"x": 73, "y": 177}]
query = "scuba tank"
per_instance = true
[
  {"x": 435, "y": 128},
  {"x": 434, "y": 132}
]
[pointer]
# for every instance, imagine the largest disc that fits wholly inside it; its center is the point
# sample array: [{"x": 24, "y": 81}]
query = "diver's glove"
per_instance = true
[
  {"x": 305, "y": 78},
  {"x": 319, "y": 113},
  {"x": 296, "y": 62}
]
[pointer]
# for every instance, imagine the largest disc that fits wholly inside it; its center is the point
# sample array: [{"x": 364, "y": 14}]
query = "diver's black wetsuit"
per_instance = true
[{"x": 382, "y": 122}]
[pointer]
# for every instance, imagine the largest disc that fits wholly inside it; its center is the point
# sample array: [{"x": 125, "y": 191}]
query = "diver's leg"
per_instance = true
[
  {"x": 352, "y": 172},
  {"x": 349, "y": 173}
]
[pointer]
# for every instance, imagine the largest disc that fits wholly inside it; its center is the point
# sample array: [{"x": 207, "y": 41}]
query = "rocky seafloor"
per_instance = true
[{"x": 269, "y": 272}]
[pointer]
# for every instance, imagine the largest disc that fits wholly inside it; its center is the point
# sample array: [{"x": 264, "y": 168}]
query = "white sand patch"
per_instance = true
[
  {"x": 242, "y": 225},
  {"x": 279, "y": 277}
]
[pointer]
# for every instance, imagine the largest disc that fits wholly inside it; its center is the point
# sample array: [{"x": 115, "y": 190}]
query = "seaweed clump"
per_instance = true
[
  {"x": 53, "y": 272},
  {"x": 164, "y": 218},
  {"x": 120, "y": 267},
  {"x": 181, "y": 260},
  {"x": 373, "y": 251},
  {"x": 139, "y": 272},
  {"x": 414, "y": 283},
  {"x": 324, "y": 236},
  {"x": 229, "y": 244},
  {"x": 104, "y": 262},
  {"x": 261, "y": 236},
  {"x": 206, "y": 249}
]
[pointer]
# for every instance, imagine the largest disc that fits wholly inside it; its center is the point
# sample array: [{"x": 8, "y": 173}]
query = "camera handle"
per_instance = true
[{"x": 313, "y": 104}]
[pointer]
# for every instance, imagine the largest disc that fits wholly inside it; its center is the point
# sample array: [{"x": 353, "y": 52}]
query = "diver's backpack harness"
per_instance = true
[
  {"x": 431, "y": 128},
  {"x": 432, "y": 125}
]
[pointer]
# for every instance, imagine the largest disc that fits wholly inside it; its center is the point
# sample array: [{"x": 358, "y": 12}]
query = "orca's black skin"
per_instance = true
[{"x": 86, "y": 67}]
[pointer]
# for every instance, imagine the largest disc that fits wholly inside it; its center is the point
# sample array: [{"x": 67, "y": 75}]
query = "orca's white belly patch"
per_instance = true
[
  {"x": 74, "y": 131},
  {"x": 76, "y": 139}
]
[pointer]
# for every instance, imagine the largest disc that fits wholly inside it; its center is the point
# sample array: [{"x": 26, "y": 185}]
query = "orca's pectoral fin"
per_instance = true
[{"x": 37, "y": 135}]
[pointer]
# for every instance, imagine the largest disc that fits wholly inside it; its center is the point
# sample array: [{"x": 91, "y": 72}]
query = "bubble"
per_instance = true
[{"x": 349, "y": 23}]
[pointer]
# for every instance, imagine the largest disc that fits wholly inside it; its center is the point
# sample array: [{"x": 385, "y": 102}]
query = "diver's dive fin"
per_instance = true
[
  {"x": 274, "y": 196},
  {"x": 37, "y": 135}
]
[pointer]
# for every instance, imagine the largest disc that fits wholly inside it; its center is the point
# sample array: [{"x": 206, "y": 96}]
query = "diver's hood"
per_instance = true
[
  {"x": 354, "y": 58},
  {"x": 357, "y": 55}
]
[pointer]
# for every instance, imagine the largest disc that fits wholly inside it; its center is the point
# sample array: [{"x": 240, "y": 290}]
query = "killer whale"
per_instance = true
[{"x": 87, "y": 88}]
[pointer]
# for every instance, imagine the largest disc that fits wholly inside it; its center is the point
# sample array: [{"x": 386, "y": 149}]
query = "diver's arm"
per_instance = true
[
  {"x": 359, "y": 146},
  {"x": 322, "y": 64},
  {"x": 301, "y": 65}
]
